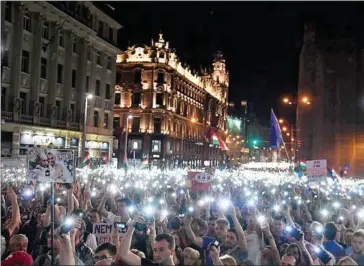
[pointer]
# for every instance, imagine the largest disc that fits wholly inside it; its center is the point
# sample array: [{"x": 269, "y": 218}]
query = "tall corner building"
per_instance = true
[
  {"x": 53, "y": 53},
  {"x": 170, "y": 106},
  {"x": 331, "y": 75}
]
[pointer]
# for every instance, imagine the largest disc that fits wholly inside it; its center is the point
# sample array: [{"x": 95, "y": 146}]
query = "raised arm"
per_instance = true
[
  {"x": 15, "y": 211},
  {"x": 198, "y": 241},
  {"x": 239, "y": 230},
  {"x": 124, "y": 253},
  {"x": 101, "y": 208}
]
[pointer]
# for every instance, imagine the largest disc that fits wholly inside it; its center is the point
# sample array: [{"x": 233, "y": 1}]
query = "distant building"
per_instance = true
[
  {"x": 171, "y": 106},
  {"x": 331, "y": 73},
  {"x": 53, "y": 53}
]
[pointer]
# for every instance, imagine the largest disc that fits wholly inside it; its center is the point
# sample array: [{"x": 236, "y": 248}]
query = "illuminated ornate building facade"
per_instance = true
[
  {"x": 53, "y": 53},
  {"x": 170, "y": 107}
]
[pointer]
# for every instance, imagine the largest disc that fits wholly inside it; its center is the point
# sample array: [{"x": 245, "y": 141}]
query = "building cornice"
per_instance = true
[{"x": 100, "y": 14}]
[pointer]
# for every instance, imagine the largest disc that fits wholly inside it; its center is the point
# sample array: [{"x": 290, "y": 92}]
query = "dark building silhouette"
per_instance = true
[{"x": 331, "y": 75}]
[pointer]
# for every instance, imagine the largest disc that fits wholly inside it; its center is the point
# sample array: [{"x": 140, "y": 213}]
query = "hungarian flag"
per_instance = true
[
  {"x": 86, "y": 162},
  {"x": 211, "y": 134}
]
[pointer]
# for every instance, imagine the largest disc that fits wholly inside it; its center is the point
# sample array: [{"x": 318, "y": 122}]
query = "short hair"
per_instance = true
[
  {"x": 228, "y": 260},
  {"x": 330, "y": 231},
  {"x": 111, "y": 248},
  {"x": 233, "y": 230},
  {"x": 94, "y": 210},
  {"x": 176, "y": 223},
  {"x": 346, "y": 261},
  {"x": 167, "y": 237},
  {"x": 359, "y": 233},
  {"x": 223, "y": 221},
  {"x": 212, "y": 218},
  {"x": 126, "y": 201}
]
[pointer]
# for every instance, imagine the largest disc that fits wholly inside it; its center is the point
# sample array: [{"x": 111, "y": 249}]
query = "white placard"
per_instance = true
[
  {"x": 51, "y": 165},
  {"x": 316, "y": 168}
]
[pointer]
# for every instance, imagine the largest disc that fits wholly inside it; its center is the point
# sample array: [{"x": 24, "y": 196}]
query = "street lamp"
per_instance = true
[
  {"x": 280, "y": 121},
  {"x": 126, "y": 139},
  {"x": 83, "y": 147},
  {"x": 286, "y": 100},
  {"x": 284, "y": 128}
]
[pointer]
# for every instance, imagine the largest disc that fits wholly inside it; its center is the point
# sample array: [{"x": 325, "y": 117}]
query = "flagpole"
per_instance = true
[{"x": 285, "y": 148}]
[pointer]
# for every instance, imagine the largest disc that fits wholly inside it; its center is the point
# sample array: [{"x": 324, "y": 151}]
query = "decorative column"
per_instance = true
[
  {"x": 37, "y": 22},
  {"x": 16, "y": 53}
]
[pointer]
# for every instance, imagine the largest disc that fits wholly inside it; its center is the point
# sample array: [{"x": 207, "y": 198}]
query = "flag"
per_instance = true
[
  {"x": 275, "y": 134},
  {"x": 86, "y": 162},
  {"x": 145, "y": 163},
  {"x": 210, "y": 134}
]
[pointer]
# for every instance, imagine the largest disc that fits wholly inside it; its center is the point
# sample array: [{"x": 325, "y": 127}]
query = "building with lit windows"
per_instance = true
[
  {"x": 331, "y": 75},
  {"x": 53, "y": 53},
  {"x": 171, "y": 107}
]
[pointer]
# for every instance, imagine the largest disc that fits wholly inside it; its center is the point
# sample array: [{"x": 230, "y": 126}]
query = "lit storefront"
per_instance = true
[{"x": 97, "y": 150}]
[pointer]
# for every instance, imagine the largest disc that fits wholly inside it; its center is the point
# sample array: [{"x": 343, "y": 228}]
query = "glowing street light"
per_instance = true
[
  {"x": 193, "y": 120},
  {"x": 284, "y": 128},
  {"x": 280, "y": 121},
  {"x": 287, "y": 134},
  {"x": 286, "y": 100}
]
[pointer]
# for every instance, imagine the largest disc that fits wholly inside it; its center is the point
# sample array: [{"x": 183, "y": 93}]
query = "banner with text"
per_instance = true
[
  {"x": 199, "y": 181},
  {"x": 103, "y": 233},
  {"x": 316, "y": 168}
]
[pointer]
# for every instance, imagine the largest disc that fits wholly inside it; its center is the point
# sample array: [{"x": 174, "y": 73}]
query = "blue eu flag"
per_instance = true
[{"x": 275, "y": 134}]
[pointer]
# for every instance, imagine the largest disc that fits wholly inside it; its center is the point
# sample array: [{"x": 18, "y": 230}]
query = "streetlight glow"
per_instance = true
[
  {"x": 193, "y": 120},
  {"x": 285, "y": 100},
  {"x": 288, "y": 134},
  {"x": 280, "y": 121},
  {"x": 305, "y": 99},
  {"x": 130, "y": 117},
  {"x": 284, "y": 129},
  {"x": 89, "y": 96}
]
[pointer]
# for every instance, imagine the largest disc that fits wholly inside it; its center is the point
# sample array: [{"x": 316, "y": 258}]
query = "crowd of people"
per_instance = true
[{"x": 250, "y": 222}]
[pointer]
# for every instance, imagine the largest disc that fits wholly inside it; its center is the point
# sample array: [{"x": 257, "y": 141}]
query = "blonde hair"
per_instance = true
[
  {"x": 14, "y": 241},
  {"x": 347, "y": 261},
  {"x": 228, "y": 260},
  {"x": 194, "y": 254}
]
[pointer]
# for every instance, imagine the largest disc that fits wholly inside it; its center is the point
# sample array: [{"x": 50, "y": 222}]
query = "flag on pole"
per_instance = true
[
  {"x": 86, "y": 162},
  {"x": 210, "y": 134},
  {"x": 275, "y": 134},
  {"x": 126, "y": 162}
]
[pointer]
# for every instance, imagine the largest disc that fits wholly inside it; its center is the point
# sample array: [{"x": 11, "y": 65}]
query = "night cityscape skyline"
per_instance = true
[{"x": 261, "y": 41}]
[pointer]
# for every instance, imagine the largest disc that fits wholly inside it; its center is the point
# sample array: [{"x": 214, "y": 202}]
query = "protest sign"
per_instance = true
[
  {"x": 51, "y": 165},
  {"x": 103, "y": 233},
  {"x": 316, "y": 168},
  {"x": 199, "y": 181}
]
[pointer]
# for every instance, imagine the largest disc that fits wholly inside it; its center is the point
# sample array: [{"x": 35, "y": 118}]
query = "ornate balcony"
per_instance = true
[
  {"x": 7, "y": 116},
  {"x": 26, "y": 119},
  {"x": 43, "y": 121}
]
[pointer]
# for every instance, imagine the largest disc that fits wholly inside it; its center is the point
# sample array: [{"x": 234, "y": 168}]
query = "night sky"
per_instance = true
[{"x": 261, "y": 41}]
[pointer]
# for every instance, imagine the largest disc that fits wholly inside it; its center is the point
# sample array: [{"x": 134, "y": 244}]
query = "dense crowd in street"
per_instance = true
[{"x": 244, "y": 217}]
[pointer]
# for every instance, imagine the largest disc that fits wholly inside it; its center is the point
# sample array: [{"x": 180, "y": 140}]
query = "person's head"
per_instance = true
[
  {"x": 42, "y": 159},
  {"x": 190, "y": 257},
  {"x": 278, "y": 226},
  {"x": 94, "y": 216},
  {"x": 346, "y": 261},
  {"x": 282, "y": 249},
  {"x": 231, "y": 238},
  {"x": 18, "y": 243},
  {"x": 348, "y": 236},
  {"x": 105, "y": 251},
  {"x": 222, "y": 227},
  {"x": 51, "y": 158},
  {"x": 228, "y": 260},
  {"x": 212, "y": 224},
  {"x": 288, "y": 259},
  {"x": 123, "y": 206},
  {"x": 330, "y": 231},
  {"x": 294, "y": 250},
  {"x": 164, "y": 249},
  {"x": 176, "y": 224},
  {"x": 80, "y": 228},
  {"x": 252, "y": 222},
  {"x": 199, "y": 226},
  {"x": 317, "y": 232},
  {"x": 357, "y": 242}
]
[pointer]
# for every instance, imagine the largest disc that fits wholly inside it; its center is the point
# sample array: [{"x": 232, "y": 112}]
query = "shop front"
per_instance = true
[
  {"x": 31, "y": 140},
  {"x": 95, "y": 150}
]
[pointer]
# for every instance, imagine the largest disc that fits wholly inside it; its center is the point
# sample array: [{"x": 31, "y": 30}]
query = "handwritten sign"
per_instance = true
[
  {"x": 316, "y": 168},
  {"x": 103, "y": 233}
]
